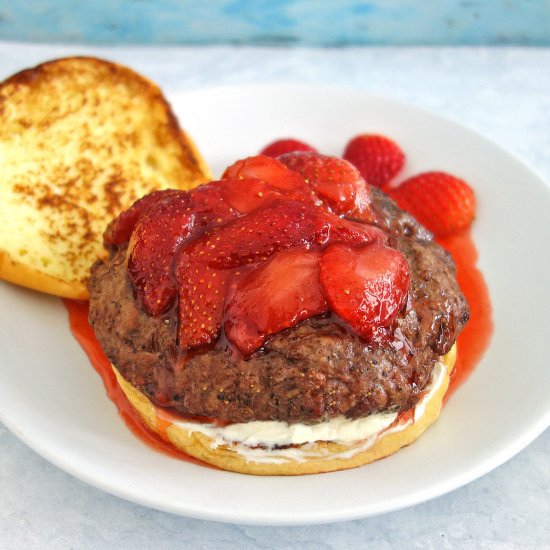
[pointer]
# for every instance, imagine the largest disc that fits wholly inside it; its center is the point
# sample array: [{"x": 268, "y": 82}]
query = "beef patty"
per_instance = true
[{"x": 314, "y": 371}]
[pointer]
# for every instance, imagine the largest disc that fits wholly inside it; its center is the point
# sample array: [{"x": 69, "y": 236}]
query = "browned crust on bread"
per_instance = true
[
  {"x": 92, "y": 164},
  {"x": 199, "y": 445},
  {"x": 190, "y": 155}
]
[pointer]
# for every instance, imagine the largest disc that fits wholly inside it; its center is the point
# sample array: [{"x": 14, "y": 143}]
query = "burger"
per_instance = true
[{"x": 286, "y": 319}]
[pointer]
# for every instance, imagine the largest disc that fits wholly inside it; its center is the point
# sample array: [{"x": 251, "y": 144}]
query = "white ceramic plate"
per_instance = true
[{"x": 53, "y": 400}]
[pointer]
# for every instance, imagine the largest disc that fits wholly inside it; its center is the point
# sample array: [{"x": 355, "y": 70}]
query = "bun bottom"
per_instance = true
[
  {"x": 318, "y": 457},
  {"x": 24, "y": 275}
]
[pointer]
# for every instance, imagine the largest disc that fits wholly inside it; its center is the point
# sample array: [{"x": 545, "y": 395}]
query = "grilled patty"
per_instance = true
[{"x": 314, "y": 371}]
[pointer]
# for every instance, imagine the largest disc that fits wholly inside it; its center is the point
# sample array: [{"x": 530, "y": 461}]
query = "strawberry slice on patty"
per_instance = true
[
  {"x": 277, "y": 295},
  {"x": 160, "y": 231},
  {"x": 204, "y": 267},
  {"x": 266, "y": 169},
  {"x": 366, "y": 286},
  {"x": 335, "y": 180},
  {"x": 119, "y": 231},
  {"x": 247, "y": 194},
  {"x": 164, "y": 221}
]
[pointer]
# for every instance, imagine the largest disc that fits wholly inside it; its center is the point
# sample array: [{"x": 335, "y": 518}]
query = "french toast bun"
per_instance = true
[
  {"x": 81, "y": 139},
  {"x": 309, "y": 458}
]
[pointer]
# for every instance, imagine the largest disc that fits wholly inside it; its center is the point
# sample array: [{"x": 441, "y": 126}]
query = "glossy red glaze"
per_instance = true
[
  {"x": 84, "y": 334},
  {"x": 475, "y": 338}
]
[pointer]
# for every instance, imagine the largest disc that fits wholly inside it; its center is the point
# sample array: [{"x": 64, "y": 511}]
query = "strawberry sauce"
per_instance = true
[
  {"x": 474, "y": 339},
  {"x": 84, "y": 334}
]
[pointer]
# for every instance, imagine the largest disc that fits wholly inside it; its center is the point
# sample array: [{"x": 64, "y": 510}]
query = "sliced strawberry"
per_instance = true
[
  {"x": 441, "y": 202},
  {"x": 283, "y": 224},
  {"x": 366, "y": 286},
  {"x": 335, "y": 180},
  {"x": 118, "y": 232},
  {"x": 160, "y": 232},
  {"x": 255, "y": 237},
  {"x": 352, "y": 232},
  {"x": 266, "y": 169},
  {"x": 151, "y": 249},
  {"x": 278, "y": 295},
  {"x": 208, "y": 204},
  {"x": 282, "y": 146},
  {"x": 201, "y": 298},
  {"x": 378, "y": 158},
  {"x": 247, "y": 194}
]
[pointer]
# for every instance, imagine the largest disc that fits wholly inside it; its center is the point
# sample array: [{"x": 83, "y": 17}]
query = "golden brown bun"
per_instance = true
[
  {"x": 80, "y": 140},
  {"x": 200, "y": 446}
]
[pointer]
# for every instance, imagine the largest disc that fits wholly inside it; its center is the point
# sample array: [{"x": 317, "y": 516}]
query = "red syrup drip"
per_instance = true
[
  {"x": 84, "y": 334},
  {"x": 476, "y": 336}
]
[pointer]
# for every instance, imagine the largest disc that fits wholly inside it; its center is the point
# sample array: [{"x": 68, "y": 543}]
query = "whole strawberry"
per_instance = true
[
  {"x": 282, "y": 146},
  {"x": 378, "y": 158},
  {"x": 441, "y": 202}
]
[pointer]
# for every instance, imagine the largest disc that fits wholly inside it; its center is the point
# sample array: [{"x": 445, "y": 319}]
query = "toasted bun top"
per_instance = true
[{"x": 80, "y": 140}]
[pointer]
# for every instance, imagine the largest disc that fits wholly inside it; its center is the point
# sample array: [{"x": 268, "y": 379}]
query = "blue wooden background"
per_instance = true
[{"x": 283, "y": 22}]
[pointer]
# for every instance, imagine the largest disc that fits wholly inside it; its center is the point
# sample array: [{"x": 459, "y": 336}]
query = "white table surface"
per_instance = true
[{"x": 504, "y": 93}]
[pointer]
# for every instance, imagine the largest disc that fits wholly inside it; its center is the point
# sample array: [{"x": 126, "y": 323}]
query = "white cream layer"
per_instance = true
[{"x": 256, "y": 440}]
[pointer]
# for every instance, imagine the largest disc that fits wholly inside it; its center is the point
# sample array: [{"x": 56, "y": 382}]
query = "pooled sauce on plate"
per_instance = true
[
  {"x": 472, "y": 342},
  {"x": 474, "y": 339},
  {"x": 84, "y": 334}
]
